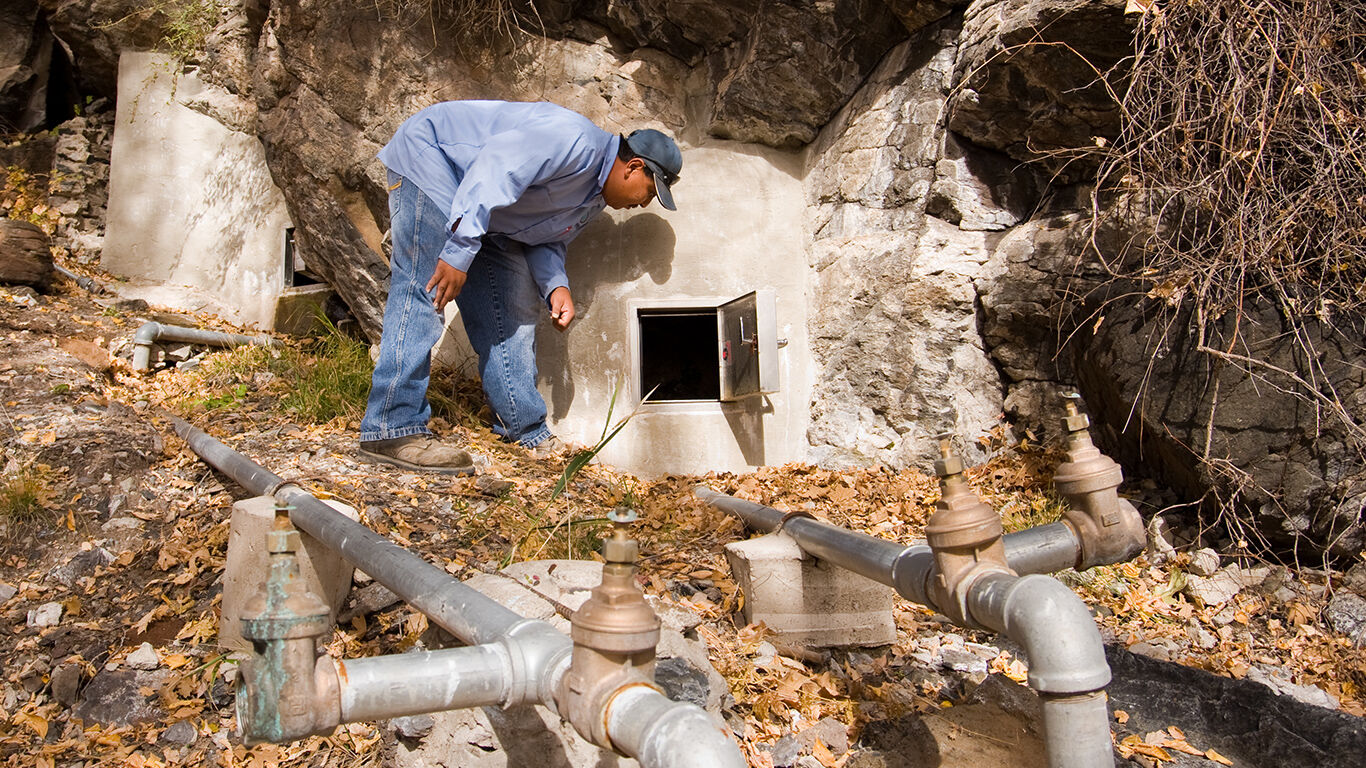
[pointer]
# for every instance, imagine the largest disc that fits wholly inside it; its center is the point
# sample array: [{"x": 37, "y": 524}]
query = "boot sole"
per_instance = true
[{"x": 379, "y": 458}]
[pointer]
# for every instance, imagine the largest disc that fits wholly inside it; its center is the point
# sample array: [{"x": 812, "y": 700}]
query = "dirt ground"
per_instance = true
[{"x": 125, "y": 543}]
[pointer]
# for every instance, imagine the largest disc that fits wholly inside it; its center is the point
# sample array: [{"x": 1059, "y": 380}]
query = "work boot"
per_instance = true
[{"x": 423, "y": 453}]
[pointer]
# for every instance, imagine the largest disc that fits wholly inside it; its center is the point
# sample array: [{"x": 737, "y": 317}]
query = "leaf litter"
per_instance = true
[{"x": 122, "y": 486}]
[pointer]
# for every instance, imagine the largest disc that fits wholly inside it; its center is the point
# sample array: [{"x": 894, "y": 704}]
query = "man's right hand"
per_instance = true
[{"x": 447, "y": 282}]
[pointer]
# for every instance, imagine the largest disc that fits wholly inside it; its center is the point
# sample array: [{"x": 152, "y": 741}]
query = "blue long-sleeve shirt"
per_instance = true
[{"x": 528, "y": 172}]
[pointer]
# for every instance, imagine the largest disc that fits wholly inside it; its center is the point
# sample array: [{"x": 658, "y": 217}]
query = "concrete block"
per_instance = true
[
  {"x": 806, "y": 601},
  {"x": 297, "y": 310},
  {"x": 324, "y": 571}
]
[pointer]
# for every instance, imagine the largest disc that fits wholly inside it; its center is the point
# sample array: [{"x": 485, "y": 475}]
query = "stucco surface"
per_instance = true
[{"x": 191, "y": 200}]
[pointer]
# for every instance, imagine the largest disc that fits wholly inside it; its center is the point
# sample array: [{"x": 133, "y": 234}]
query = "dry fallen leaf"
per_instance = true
[{"x": 1218, "y": 758}]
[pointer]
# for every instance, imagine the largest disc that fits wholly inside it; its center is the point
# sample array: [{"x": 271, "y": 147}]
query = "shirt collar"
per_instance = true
[{"x": 613, "y": 146}]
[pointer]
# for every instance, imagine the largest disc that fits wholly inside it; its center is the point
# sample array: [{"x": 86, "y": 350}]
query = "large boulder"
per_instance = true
[
  {"x": 1203, "y": 416},
  {"x": 1039, "y": 80},
  {"x": 901, "y": 215},
  {"x": 799, "y": 63},
  {"x": 24, "y": 255}
]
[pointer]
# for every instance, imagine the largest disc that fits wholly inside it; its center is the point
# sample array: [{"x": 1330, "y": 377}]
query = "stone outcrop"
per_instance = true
[
  {"x": 25, "y": 58},
  {"x": 945, "y": 148},
  {"x": 1037, "y": 81}
]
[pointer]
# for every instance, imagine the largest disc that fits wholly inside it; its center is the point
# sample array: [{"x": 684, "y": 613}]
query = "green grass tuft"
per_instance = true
[
  {"x": 26, "y": 492},
  {"x": 326, "y": 378},
  {"x": 330, "y": 379}
]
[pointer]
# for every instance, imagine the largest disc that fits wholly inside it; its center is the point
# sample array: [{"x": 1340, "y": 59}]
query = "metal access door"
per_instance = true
[{"x": 747, "y": 333}]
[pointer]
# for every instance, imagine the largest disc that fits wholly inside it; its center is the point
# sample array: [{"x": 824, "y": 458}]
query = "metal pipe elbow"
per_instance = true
[
  {"x": 143, "y": 340},
  {"x": 147, "y": 333},
  {"x": 1060, "y": 638},
  {"x": 660, "y": 733},
  {"x": 539, "y": 656}
]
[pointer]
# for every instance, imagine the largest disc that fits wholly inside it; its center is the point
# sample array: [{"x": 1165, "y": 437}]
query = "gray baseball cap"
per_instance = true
[{"x": 662, "y": 157}]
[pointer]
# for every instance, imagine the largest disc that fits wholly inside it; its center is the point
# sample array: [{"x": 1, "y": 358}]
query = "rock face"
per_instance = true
[
  {"x": 24, "y": 257},
  {"x": 1289, "y": 459},
  {"x": 945, "y": 149}
]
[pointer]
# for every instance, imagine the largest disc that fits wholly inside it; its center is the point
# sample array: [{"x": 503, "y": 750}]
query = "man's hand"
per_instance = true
[
  {"x": 447, "y": 281},
  {"x": 561, "y": 308}
]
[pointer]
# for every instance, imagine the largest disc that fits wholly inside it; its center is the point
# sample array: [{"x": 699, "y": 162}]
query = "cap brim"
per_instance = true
[{"x": 663, "y": 194}]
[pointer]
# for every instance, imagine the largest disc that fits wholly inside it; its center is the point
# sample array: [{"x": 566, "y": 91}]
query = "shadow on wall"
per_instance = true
[
  {"x": 746, "y": 420},
  {"x": 620, "y": 252}
]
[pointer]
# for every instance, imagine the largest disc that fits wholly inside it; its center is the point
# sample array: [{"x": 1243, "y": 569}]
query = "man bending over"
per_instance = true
[{"x": 483, "y": 198}]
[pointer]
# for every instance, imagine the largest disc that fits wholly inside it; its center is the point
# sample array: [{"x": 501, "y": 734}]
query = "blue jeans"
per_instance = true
[{"x": 500, "y": 306}]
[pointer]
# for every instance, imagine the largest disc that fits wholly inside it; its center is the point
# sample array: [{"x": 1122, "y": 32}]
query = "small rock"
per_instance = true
[
  {"x": 785, "y": 751},
  {"x": 413, "y": 727},
  {"x": 45, "y": 615},
  {"x": 121, "y": 524},
  {"x": 674, "y": 616},
  {"x": 115, "y": 697},
  {"x": 1160, "y": 548},
  {"x": 830, "y": 731},
  {"x": 1280, "y": 681},
  {"x": 1202, "y": 637},
  {"x": 682, "y": 681},
  {"x": 368, "y": 599},
  {"x": 83, "y": 564},
  {"x": 962, "y": 660},
  {"x": 145, "y": 657},
  {"x": 7, "y": 591},
  {"x": 66, "y": 684},
  {"x": 808, "y": 761},
  {"x": 1204, "y": 562},
  {"x": 181, "y": 733},
  {"x": 1346, "y": 614},
  {"x": 1217, "y": 589},
  {"x": 492, "y": 485},
  {"x": 1356, "y": 578},
  {"x": 1151, "y": 650}
]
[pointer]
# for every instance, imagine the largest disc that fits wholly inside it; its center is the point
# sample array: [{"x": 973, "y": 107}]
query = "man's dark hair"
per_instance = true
[{"x": 624, "y": 152}]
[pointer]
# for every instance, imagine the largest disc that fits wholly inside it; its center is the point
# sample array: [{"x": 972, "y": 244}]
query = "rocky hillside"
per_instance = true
[{"x": 949, "y": 152}]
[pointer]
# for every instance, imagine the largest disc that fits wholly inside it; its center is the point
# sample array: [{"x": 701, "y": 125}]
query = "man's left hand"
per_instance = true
[{"x": 561, "y": 308}]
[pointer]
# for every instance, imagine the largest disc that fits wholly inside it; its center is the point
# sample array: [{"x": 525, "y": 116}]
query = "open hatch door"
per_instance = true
[{"x": 747, "y": 334}]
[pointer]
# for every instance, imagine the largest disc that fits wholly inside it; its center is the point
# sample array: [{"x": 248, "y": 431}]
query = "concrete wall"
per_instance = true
[
  {"x": 738, "y": 228},
  {"x": 191, "y": 201}
]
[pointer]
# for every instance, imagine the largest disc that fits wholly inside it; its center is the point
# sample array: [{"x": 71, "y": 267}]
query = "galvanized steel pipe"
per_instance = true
[
  {"x": 513, "y": 661},
  {"x": 1066, "y": 661},
  {"x": 461, "y": 610},
  {"x": 1045, "y": 549},
  {"x": 413, "y": 683},
  {"x": 152, "y": 332},
  {"x": 662, "y": 733},
  {"x": 1066, "y": 656}
]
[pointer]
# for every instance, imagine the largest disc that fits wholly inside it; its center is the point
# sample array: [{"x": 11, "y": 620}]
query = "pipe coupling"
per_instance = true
[{"x": 1109, "y": 528}]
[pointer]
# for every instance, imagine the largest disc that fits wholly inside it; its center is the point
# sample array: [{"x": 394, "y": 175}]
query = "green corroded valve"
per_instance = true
[{"x": 277, "y": 696}]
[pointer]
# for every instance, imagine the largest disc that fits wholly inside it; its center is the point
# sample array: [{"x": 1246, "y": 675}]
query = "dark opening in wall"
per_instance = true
[
  {"x": 64, "y": 98},
  {"x": 678, "y": 354},
  {"x": 295, "y": 272}
]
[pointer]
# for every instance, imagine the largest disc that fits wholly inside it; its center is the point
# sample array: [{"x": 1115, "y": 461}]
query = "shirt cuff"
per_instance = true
[
  {"x": 559, "y": 281},
  {"x": 456, "y": 255}
]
